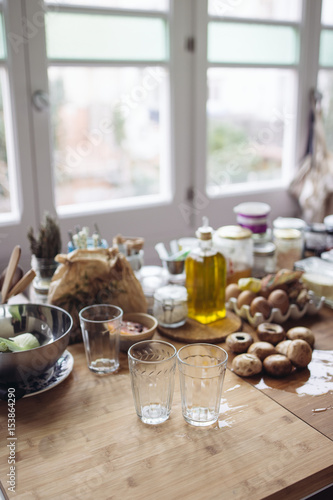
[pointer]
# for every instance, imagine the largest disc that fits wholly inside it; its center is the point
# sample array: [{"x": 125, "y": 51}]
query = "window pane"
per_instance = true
[
  {"x": 2, "y": 39},
  {"x": 325, "y": 85},
  {"x": 123, "y": 4},
  {"x": 109, "y": 133},
  {"x": 105, "y": 37},
  {"x": 5, "y": 187},
  {"x": 253, "y": 43},
  {"x": 285, "y": 10},
  {"x": 326, "y": 48},
  {"x": 327, "y": 12},
  {"x": 248, "y": 127}
]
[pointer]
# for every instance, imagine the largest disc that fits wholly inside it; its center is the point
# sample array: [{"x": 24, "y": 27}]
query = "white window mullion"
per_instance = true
[
  {"x": 200, "y": 199},
  {"x": 183, "y": 110},
  {"x": 40, "y": 118}
]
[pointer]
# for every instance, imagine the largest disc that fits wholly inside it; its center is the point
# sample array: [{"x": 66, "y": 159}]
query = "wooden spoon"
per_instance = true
[
  {"x": 12, "y": 265},
  {"x": 22, "y": 284}
]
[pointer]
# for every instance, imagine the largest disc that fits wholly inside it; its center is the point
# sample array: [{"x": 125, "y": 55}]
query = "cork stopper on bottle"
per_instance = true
[{"x": 205, "y": 231}]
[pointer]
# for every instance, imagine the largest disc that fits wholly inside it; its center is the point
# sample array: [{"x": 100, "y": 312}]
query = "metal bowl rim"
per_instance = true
[{"x": 49, "y": 306}]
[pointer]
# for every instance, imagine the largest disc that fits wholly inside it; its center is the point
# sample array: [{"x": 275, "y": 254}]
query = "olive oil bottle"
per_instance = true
[{"x": 205, "y": 271}]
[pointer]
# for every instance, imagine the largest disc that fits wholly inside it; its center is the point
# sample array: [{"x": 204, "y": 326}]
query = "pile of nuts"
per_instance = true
[
  {"x": 277, "y": 353},
  {"x": 273, "y": 291}
]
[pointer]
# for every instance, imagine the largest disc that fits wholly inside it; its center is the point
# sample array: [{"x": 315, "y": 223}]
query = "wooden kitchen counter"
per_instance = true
[{"x": 83, "y": 440}]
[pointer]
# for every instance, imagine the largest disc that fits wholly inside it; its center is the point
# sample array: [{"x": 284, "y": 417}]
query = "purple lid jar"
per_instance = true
[{"x": 253, "y": 216}]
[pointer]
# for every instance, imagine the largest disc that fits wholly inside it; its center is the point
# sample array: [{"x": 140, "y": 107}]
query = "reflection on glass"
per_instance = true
[
  {"x": 123, "y": 4},
  {"x": 327, "y": 12},
  {"x": 252, "y": 43},
  {"x": 284, "y": 10},
  {"x": 105, "y": 37},
  {"x": 109, "y": 133},
  {"x": 250, "y": 123},
  {"x": 326, "y": 48},
  {"x": 325, "y": 85}
]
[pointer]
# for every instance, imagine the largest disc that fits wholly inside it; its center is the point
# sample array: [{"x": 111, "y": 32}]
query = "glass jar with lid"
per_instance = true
[
  {"x": 263, "y": 259},
  {"x": 289, "y": 247},
  {"x": 289, "y": 223},
  {"x": 170, "y": 306},
  {"x": 236, "y": 244}
]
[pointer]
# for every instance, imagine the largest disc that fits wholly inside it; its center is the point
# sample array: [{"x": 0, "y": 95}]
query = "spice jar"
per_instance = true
[
  {"x": 170, "y": 306},
  {"x": 236, "y": 244},
  {"x": 253, "y": 216},
  {"x": 263, "y": 259},
  {"x": 289, "y": 247},
  {"x": 289, "y": 223}
]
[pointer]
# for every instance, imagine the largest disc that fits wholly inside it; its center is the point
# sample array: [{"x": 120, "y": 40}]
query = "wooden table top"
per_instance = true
[{"x": 83, "y": 440}]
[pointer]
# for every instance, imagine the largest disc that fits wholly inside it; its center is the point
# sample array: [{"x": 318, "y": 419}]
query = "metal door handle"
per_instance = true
[{"x": 40, "y": 100}]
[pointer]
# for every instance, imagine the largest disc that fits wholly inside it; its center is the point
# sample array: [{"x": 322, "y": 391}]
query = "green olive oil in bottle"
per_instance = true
[{"x": 205, "y": 271}]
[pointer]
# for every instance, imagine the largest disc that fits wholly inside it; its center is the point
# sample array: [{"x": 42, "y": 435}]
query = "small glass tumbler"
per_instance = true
[
  {"x": 100, "y": 326},
  {"x": 152, "y": 365},
  {"x": 201, "y": 372}
]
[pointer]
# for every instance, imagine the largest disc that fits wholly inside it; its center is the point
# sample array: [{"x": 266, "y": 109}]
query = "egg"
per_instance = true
[
  {"x": 245, "y": 298},
  {"x": 280, "y": 300},
  {"x": 232, "y": 291},
  {"x": 260, "y": 305}
]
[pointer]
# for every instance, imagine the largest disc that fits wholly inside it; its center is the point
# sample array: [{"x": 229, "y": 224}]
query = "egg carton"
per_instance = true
[{"x": 312, "y": 307}]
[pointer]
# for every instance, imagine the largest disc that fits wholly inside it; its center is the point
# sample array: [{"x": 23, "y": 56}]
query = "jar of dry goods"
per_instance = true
[
  {"x": 264, "y": 261},
  {"x": 289, "y": 247},
  {"x": 236, "y": 244},
  {"x": 170, "y": 306}
]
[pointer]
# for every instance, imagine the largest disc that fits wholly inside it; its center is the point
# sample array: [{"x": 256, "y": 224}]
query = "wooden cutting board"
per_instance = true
[
  {"x": 88, "y": 426},
  {"x": 193, "y": 331}
]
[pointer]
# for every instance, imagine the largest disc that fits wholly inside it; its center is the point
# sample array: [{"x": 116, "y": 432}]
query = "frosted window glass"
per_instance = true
[
  {"x": 2, "y": 39},
  {"x": 123, "y": 4},
  {"x": 326, "y": 48},
  {"x": 110, "y": 133},
  {"x": 82, "y": 36},
  {"x": 250, "y": 121},
  {"x": 285, "y": 10},
  {"x": 327, "y": 12},
  {"x": 252, "y": 44},
  {"x": 6, "y": 194}
]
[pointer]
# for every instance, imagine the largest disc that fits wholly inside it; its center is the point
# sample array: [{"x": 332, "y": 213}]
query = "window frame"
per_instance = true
[
  {"x": 188, "y": 67},
  {"x": 261, "y": 186},
  {"x": 13, "y": 228},
  {"x": 158, "y": 220},
  {"x": 274, "y": 193}
]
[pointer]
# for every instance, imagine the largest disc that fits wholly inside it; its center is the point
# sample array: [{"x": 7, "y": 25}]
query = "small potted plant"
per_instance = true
[{"x": 44, "y": 248}]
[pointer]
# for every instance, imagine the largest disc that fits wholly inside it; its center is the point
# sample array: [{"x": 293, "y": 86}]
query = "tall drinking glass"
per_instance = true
[
  {"x": 201, "y": 372},
  {"x": 152, "y": 365},
  {"x": 100, "y": 326}
]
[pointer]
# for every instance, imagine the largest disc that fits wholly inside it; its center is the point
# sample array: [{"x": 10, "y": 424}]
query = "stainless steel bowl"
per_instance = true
[{"x": 50, "y": 324}]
